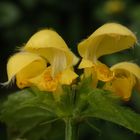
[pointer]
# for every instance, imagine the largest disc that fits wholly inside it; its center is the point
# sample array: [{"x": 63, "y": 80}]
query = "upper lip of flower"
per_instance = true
[
  {"x": 47, "y": 43},
  {"x": 107, "y": 39}
]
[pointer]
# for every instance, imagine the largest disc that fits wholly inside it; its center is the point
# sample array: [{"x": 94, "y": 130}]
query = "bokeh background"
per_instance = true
[{"x": 74, "y": 20}]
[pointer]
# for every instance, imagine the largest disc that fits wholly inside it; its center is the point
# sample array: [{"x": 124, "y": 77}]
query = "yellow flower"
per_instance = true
[
  {"x": 30, "y": 65},
  {"x": 127, "y": 76},
  {"x": 107, "y": 39}
]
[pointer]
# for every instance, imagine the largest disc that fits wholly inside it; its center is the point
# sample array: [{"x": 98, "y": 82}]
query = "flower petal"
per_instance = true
[
  {"x": 24, "y": 65},
  {"x": 67, "y": 76},
  {"x": 107, "y": 39},
  {"x": 46, "y": 39},
  {"x": 47, "y": 43},
  {"x": 103, "y": 72},
  {"x": 85, "y": 64},
  {"x": 122, "y": 84}
]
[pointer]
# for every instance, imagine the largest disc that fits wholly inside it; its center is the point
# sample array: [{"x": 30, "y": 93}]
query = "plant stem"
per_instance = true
[{"x": 71, "y": 130}]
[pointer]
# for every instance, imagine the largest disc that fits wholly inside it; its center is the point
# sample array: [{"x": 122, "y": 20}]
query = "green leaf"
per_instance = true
[
  {"x": 103, "y": 106},
  {"x": 29, "y": 110},
  {"x": 45, "y": 131}
]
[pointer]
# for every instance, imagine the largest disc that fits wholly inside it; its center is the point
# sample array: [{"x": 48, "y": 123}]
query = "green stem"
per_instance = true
[{"x": 71, "y": 130}]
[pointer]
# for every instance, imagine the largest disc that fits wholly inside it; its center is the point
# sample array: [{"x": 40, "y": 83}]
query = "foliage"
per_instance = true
[{"x": 36, "y": 115}]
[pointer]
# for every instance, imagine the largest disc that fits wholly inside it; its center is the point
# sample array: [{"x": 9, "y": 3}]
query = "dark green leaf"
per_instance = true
[
  {"x": 103, "y": 106},
  {"x": 28, "y": 109}
]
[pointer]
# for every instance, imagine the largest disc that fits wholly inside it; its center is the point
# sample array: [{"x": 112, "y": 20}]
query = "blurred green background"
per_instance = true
[{"x": 74, "y": 20}]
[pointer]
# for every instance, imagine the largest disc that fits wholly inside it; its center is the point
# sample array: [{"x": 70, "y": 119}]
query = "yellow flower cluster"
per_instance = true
[{"x": 47, "y": 63}]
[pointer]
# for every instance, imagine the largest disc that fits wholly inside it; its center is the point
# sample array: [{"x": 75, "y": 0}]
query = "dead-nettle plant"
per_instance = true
[{"x": 52, "y": 94}]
